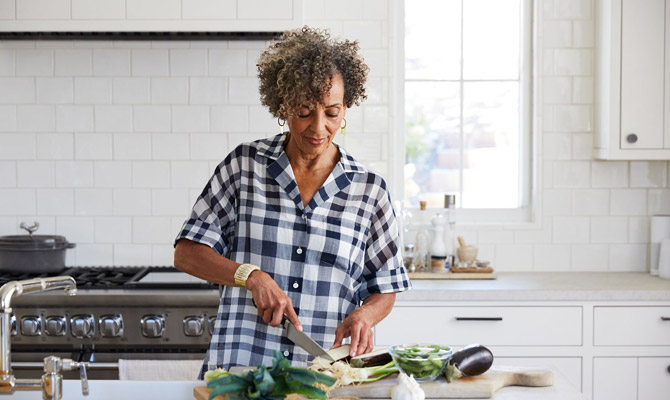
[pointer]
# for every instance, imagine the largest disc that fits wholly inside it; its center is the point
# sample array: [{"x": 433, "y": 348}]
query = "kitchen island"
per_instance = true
[
  {"x": 127, "y": 390},
  {"x": 600, "y": 330}
]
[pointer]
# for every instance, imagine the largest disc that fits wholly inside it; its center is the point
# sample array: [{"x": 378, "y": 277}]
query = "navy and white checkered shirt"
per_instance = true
[{"x": 327, "y": 256}]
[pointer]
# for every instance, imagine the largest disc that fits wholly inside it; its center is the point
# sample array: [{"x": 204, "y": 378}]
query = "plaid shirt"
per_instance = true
[{"x": 327, "y": 256}]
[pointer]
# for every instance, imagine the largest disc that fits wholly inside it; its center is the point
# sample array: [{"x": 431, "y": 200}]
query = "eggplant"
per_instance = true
[
  {"x": 371, "y": 359},
  {"x": 471, "y": 360}
]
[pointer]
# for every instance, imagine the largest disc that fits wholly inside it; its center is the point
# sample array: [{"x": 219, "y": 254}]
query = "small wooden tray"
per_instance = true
[
  {"x": 471, "y": 270},
  {"x": 451, "y": 275}
]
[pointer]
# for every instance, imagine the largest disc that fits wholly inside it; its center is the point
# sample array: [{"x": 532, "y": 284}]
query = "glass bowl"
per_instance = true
[{"x": 423, "y": 361}]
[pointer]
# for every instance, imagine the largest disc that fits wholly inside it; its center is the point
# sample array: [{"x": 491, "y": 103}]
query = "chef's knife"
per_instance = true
[{"x": 304, "y": 341}]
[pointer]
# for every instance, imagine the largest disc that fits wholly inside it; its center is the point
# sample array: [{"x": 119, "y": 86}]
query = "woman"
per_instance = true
[{"x": 292, "y": 225}]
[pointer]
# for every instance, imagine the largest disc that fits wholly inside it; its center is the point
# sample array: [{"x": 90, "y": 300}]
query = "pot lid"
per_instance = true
[{"x": 26, "y": 242}]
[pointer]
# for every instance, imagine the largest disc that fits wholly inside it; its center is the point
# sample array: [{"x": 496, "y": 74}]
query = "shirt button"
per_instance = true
[
  {"x": 286, "y": 353},
  {"x": 299, "y": 251},
  {"x": 296, "y": 285},
  {"x": 304, "y": 216}
]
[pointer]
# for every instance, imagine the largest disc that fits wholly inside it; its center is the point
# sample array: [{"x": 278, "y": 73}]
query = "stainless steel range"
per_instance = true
[{"x": 118, "y": 313}]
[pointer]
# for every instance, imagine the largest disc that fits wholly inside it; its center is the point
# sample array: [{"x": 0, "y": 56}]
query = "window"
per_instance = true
[{"x": 467, "y": 102}]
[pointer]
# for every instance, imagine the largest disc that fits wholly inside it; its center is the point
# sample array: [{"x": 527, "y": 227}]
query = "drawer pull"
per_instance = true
[
  {"x": 665, "y": 318},
  {"x": 479, "y": 319}
]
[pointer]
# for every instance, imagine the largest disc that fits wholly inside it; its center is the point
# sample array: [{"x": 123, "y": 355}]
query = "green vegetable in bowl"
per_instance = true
[
  {"x": 272, "y": 383},
  {"x": 424, "y": 362}
]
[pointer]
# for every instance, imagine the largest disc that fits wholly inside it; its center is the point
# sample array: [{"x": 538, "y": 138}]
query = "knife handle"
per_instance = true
[{"x": 284, "y": 320}]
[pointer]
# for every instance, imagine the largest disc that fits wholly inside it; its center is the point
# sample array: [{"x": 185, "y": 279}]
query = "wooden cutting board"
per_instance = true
[{"x": 476, "y": 387}]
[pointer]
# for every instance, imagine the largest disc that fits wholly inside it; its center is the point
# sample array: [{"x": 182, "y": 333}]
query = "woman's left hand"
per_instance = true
[{"x": 358, "y": 325}]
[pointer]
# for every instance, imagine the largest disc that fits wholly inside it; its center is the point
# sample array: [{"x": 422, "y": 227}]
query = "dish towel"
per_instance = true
[{"x": 159, "y": 370}]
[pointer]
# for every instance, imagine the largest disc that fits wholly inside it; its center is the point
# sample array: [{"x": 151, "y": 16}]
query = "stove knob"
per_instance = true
[
  {"x": 211, "y": 325},
  {"x": 56, "y": 325},
  {"x": 194, "y": 325},
  {"x": 111, "y": 325},
  {"x": 12, "y": 322},
  {"x": 82, "y": 326},
  {"x": 152, "y": 326},
  {"x": 31, "y": 325}
]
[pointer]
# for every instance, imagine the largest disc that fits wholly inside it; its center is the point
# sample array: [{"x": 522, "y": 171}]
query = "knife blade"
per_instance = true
[{"x": 304, "y": 341}]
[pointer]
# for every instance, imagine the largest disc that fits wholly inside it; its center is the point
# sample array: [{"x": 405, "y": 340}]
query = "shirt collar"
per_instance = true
[{"x": 273, "y": 147}]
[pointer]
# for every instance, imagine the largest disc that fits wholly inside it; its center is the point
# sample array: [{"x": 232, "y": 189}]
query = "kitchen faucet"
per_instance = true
[{"x": 51, "y": 383}]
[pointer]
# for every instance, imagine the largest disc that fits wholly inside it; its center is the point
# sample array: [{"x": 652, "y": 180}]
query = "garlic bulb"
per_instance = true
[{"x": 407, "y": 389}]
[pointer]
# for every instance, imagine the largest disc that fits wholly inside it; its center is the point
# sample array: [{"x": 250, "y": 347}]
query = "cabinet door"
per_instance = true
[
  {"x": 614, "y": 378},
  {"x": 653, "y": 378},
  {"x": 642, "y": 73}
]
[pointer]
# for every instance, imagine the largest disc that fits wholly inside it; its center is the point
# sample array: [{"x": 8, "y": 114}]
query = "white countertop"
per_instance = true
[
  {"x": 539, "y": 286},
  {"x": 183, "y": 390}
]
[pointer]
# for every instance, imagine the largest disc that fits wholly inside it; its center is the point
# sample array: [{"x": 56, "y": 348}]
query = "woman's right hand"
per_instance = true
[{"x": 272, "y": 302}]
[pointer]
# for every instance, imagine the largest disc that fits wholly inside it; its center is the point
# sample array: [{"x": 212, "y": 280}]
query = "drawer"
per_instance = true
[
  {"x": 631, "y": 326},
  {"x": 499, "y": 326}
]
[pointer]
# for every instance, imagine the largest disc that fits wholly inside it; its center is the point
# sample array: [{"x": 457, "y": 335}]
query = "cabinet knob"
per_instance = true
[{"x": 631, "y": 138}]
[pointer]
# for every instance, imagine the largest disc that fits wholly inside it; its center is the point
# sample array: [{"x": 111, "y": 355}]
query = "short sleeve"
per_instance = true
[
  {"x": 384, "y": 270},
  {"x": 212, "y": 219}
]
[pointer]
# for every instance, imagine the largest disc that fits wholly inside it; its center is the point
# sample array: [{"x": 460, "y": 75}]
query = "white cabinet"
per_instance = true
[
  {"x": 608, "y": 349},
  {"x": 155, "y": 16},
  {"x": 632, "y": 330},
  {"x": 621, "y": 378},
  {"x": 633, "y": 80}
]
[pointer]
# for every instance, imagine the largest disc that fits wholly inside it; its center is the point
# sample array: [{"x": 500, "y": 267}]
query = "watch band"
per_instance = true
[{"x": 242, "y": 274}]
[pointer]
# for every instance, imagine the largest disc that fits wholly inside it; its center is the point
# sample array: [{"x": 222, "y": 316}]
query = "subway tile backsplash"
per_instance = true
[{"x": 110, "y": 142}]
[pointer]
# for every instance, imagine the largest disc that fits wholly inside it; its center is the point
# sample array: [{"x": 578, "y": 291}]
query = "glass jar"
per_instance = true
[{"x": 408, "y": 257}]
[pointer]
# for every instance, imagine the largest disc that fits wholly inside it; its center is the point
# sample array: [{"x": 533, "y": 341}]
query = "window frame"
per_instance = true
[{"x": 528, "y": 123}]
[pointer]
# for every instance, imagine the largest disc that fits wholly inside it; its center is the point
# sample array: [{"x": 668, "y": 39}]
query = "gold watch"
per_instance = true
[{"x": 242, "y": 274}]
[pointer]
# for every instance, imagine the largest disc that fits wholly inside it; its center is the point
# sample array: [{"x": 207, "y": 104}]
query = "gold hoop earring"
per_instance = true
[
  {"x": 343, "y": 129},
  {"x": 281, "y": 124}
]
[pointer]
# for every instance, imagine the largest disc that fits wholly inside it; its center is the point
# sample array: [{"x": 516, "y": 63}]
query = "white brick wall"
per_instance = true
[{"x": 109, "y": 143}]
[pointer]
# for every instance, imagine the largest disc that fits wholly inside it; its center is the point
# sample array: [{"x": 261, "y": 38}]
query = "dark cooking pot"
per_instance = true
[{"x": 33, "y": 253}]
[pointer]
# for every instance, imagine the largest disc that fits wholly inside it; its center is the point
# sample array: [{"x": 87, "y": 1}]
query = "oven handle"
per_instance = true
[{"x": 40, "y": 365}]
